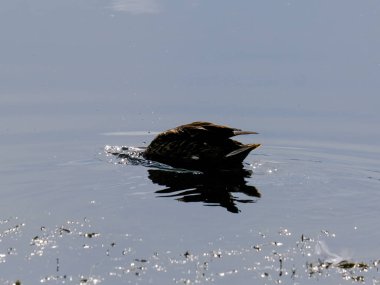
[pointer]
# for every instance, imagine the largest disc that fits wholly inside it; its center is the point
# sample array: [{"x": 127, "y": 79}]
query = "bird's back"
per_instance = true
[{"x": 199, "y": 145}]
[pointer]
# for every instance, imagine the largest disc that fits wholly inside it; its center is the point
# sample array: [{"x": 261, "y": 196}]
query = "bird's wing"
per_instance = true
[{"x": 212, "y": 130}]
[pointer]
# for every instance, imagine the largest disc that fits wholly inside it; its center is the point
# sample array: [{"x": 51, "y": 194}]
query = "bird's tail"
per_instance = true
[
  {"x": 239, "y": 132},
  {"x": 242, "y": 151}
]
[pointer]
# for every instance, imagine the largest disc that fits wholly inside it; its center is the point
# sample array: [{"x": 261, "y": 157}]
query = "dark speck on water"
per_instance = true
[{"x": 202, "y": 203}]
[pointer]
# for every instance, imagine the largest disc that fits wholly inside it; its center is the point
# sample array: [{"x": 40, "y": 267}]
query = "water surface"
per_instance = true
[{"x": 78, "y": 76}]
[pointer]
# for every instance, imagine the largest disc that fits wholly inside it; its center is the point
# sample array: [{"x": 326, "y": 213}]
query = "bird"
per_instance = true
[{"x": 200, "y": 146}]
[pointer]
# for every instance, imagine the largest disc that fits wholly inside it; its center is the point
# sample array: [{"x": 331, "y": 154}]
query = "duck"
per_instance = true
[{"x": 200, "y": 146}]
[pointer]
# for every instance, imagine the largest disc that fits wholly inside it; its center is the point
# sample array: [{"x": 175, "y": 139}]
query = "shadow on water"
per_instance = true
[
  {"x": 215, "y": 188},
  {"x": 212, "y": 187}
]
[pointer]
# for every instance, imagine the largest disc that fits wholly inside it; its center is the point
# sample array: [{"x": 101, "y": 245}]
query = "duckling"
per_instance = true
[{"x": 199, "y": 145}]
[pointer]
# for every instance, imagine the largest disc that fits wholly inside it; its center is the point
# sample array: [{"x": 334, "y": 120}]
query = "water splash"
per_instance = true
[
  {"x": 322, "y": 250},
  {"x": 134, "y": 156}
]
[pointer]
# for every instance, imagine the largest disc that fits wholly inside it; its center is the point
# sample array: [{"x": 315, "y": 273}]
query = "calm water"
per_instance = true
[{"x": 78, "y": 76}]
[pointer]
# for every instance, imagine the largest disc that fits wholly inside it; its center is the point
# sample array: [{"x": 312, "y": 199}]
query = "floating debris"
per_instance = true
[
  {"x": 279, "y": 257},
  {"x": 91, "y": 235}
]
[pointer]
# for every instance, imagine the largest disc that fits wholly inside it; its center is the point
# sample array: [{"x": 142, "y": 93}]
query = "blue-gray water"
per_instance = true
[{"x": 76, "y": 76}]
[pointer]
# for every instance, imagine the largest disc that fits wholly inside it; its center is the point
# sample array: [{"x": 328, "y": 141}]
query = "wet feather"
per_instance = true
[{"x": 200, "y": 145}]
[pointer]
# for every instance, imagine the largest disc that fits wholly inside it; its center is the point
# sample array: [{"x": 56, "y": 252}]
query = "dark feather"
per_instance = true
[{"x": 199, "y": 145}]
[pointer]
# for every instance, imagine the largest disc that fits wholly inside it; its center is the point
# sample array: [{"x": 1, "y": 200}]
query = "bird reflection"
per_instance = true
[{"x": 216, "y": 188}]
